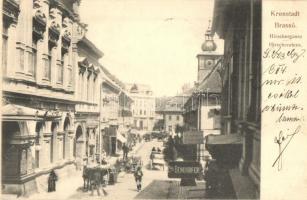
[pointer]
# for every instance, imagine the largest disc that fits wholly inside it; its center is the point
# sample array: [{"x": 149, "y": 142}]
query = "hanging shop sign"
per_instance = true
[
  {"x": 193, "y": 137},
  {"x": 184, "y": 169}
]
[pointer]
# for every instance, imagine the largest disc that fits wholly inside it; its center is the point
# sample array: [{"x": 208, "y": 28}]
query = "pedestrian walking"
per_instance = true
[
  {"x": 125, "y": 152},
  {"x": 52, "y": 181},
  {"x": 138, "y": 174}
]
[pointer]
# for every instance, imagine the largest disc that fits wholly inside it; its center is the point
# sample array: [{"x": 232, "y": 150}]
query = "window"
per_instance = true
[
  {"x": 170, "y": 128},
  {"x": 94, "y": 90},
  {"x": 170, "y": 117},
  {"x": 88, "y": 90},
  {"x": 60, "y": 70},
  {"x": 144, "y": 112},
  {"x": 4, "y": 49},
  {"x": 21, "y": 59},
  {"x": 140, "y": 112},
  {"x": 32, "y": 59},
  {"x": 69, "y": 71},
  {"x": 178, "y": 117},
  {"x": 47, "y": 66}
]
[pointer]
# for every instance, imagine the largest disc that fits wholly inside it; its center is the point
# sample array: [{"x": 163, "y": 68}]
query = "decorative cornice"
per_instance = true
[
  {"x": 10, "y": 12},
  {"x": 64, "y": 9},
  {"x": 54, "y": 33},
  {"x": 39, "y": 20}
]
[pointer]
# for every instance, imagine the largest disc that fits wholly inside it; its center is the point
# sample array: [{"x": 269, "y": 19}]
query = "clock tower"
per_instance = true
[{"x": 208, "y": 57}]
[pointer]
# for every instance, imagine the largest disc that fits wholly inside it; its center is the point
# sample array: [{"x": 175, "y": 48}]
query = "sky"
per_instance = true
[{"x": 152, "y": 42}]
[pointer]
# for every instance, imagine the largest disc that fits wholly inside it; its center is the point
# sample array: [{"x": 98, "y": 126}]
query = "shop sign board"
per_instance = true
[
  {"x": 184, "y": 169},
  {"x": 193, "y": 137}
]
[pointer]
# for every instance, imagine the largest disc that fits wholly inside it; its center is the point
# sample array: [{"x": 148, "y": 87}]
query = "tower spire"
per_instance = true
[{"x": 209, "y": 44}]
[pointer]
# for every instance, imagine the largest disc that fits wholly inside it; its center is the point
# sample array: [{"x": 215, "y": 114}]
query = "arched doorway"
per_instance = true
[
  {"x": 65, "y": 137},
  {"x": 78, "y": 142},
  {"x": 53, "y": 142},
  {"x": 11, "y": 156}
]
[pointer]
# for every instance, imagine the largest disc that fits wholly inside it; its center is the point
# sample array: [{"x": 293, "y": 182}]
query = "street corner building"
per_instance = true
[
  {"x": 238, "y": 146},
  {"x": 50, "y": 110},
  {"x": 143, "y": 106}
]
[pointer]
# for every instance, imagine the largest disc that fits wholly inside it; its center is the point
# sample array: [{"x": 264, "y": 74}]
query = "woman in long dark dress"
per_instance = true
[{"x": 52, "y": 181}]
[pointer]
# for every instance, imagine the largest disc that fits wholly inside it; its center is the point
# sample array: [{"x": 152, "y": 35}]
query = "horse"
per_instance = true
[{"x": 93, "y": 178}]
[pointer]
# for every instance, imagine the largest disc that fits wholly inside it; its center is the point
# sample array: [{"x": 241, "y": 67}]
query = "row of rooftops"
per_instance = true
[{"x": 111, "y": 79}]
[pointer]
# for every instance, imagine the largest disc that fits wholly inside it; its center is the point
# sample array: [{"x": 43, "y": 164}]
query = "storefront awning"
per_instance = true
[
  {"x": 226, "y": 149},
  {"x": 224, "y": 139},
  {"x": 121, "y": 138}
]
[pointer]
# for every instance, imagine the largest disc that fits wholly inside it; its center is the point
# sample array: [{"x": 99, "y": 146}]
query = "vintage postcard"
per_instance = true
[{"x": 164, "y": 99}]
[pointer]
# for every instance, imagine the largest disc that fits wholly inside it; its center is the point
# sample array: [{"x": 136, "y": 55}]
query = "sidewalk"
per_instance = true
[
  {"x": 64, "y": 189},
  {"x": 243, "y": 186},
  {"x": 70, "y": 185}
]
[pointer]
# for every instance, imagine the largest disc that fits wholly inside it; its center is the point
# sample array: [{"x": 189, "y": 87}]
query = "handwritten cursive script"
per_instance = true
[{"x": 280, "y": 140}]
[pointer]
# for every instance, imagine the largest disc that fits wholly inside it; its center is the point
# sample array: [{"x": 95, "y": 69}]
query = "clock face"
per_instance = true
[{"x": 209, "y": 63}]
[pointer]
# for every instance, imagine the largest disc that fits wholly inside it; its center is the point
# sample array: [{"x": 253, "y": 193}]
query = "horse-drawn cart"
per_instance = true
[{"x": 157, "y": 160}]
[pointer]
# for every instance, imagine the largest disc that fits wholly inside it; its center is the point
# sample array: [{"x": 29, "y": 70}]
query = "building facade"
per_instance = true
[
  {"x": 173, "y": 113},
  {"x": 88, "y": 80},
  {"x": 143, "y": 106},
  {"x": 51, "y": 78},
  {"x": 39, "y": 72},
  {"x": 110, "y": 115},
  {"x": 115, "y": 113},
  {"x": 239, "y": 24}
]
